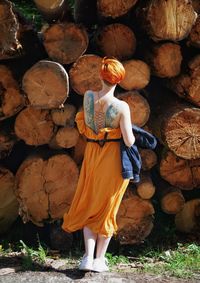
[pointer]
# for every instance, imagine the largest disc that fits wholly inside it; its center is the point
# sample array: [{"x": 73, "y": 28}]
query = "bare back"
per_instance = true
[{"x": 99, "y": 115}]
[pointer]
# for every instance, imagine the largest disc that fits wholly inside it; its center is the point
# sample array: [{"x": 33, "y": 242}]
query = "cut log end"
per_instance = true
[
  {"x": 84, "y": 74},
  {"x": 187, "y": 220},
  {"x": 139, "y": 107},
  {"x": 169, "y": 20},
  {"x": 53, "y": 183},
  {"x": 34, "y": 126},
  {"x": 134, "y": 219},
  {"x": 65, "y": 42},
  {"x": 179, "y": 172},
  {"x": 137, "y": 75},
  {"x": 46, "y": 85},
  {"x": 182, "y": 133},
  {"x": 116, "y": 40}
]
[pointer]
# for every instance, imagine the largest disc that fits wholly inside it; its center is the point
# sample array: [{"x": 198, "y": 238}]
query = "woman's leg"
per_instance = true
[
  {"x": 100, "y": 263},
  {"x": 90, "y": 241},
  {"x": 102, "y": 245}
]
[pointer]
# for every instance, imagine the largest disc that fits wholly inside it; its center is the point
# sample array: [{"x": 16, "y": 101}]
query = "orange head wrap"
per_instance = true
[{"x": 112, "y": 70}]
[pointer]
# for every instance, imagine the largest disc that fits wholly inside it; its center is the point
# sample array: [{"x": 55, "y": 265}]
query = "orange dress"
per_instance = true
[{"x": 100, "y": 187}]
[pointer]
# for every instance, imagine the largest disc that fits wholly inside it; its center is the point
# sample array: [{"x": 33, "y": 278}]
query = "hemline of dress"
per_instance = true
[{"x": 93, "y": 230}]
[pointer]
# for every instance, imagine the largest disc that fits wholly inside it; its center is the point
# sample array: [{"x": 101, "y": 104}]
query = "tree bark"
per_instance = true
[
  {"x": 7, "y": 140},
  {"x": 9, "y": 28},
  {"x": 134, "y": 219},
  {"x": 34, "y": 126},
  {"x": 65, "y": 42},
  {"x": 187, "y": 220},
  {"x": 114, "y": 9},
  {"x": 116, "y": 40},
  {"x": 168, "y": 20},
  {"x": 181, "y": 173},
  {"x": 139, "y": 107},
  {"x": 8, "y": 203},
  {"x": 12, "y": 100},
  {"x": 84, "y": 74},
  {"x": 46, "y": 85},
  {"x": 53, "y": 183},
  {"x": 137, "y": 75}
]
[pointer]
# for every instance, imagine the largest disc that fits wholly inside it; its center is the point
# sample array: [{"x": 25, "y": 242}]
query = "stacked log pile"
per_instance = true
[{"x": 157, "y": 42}]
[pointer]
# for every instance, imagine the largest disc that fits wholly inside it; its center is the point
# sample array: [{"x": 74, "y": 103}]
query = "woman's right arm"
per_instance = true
[{"x": 126, "y": 125}]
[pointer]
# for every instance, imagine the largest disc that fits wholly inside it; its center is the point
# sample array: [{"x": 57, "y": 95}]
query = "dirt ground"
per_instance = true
[{"x": 58, "y": 270}]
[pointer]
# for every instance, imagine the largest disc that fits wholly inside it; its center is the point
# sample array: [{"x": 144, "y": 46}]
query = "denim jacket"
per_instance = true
[{"x": 130, "y": 157}]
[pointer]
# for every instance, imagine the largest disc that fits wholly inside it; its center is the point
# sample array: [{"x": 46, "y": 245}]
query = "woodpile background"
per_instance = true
[{"x": 43, "y": 77}]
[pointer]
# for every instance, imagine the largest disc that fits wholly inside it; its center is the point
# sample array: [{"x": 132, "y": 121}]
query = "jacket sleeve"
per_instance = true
[{"x": 143, "y": 138}]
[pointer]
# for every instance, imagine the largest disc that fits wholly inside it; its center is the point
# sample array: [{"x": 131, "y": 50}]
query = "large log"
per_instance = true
[
  {"x": 114, "y": 9},
  {"x": 181, "y": 173},
  {"x": 177, "y": 125},
  {"x": 8, "y": 203},
  {"x": 12, "y": 100},
  {"x": 53, "y": 183},
  {"x": 187, "y": 220},
  {"x": 116, "y": 40},
  {"x": 66, "y": 137},
  {"x": 65, "y": 42},
  {"x": 84, "y": 74},
  {"x": 168, "y": 20},
  {"x": 139, "y": 107},
  {"x": 34, "y": 126},
  {"x": 53, "y": 10},
  {"x": 134, "y": 219},
  {"x": 187, "y": 84},
  {"x": 137, "y": 75},
  {"x": 9, "y": 28},
  {"x": 64, "y": 116},
  {"x": 165, "y": 59},
  {"x": 46, "y": 84}
]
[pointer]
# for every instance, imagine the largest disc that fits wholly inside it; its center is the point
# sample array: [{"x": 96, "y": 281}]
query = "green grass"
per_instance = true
[
  {"x": 183, "y": 262},
  {"x": 32, "y": 255},
  {"x": 28, "y": 9}
]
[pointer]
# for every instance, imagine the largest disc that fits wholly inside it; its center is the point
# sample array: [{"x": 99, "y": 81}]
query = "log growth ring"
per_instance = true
[
  {"x": 182, "y": 133},
  {"x": 46, "y": 85}
]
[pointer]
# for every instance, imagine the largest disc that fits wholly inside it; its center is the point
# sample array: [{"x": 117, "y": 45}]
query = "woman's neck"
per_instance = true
[{"x": 107, "y": 90}]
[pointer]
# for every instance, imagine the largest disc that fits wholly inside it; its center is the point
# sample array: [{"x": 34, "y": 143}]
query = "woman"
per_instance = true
[{"x": 101, "y": 186}]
